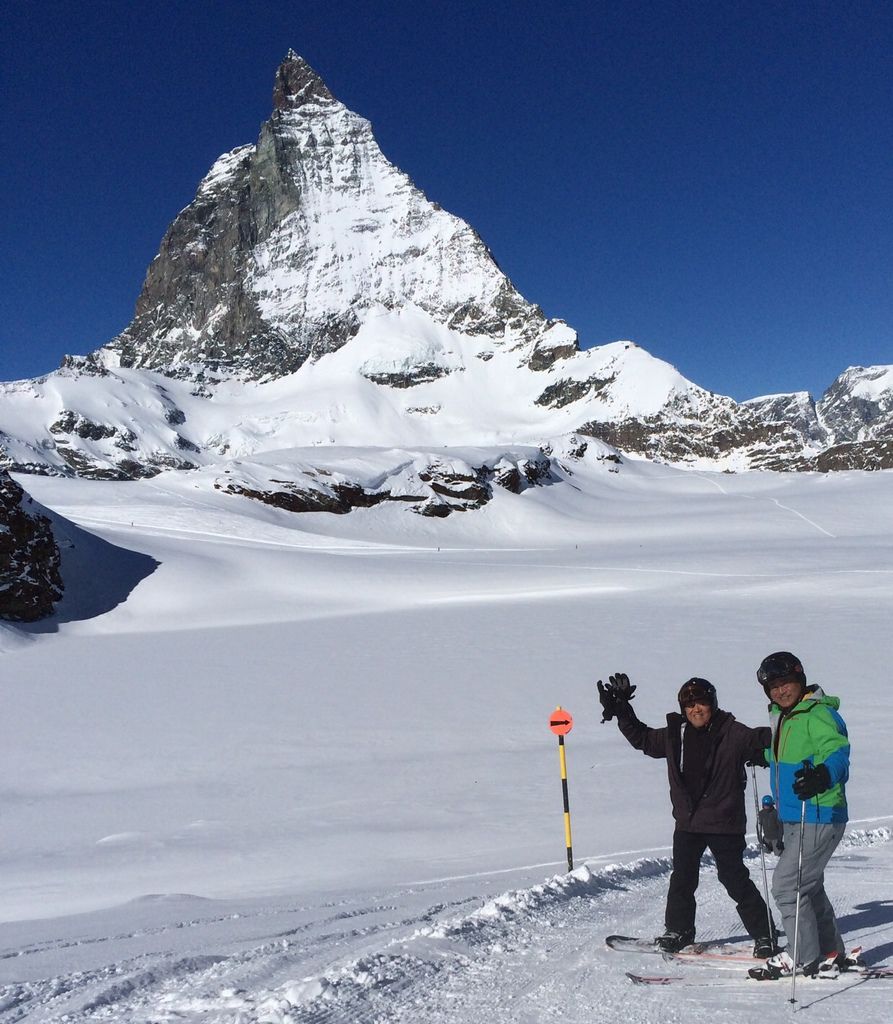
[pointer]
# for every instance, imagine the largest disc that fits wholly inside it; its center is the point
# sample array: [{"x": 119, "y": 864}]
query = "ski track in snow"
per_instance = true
[
  {"x": 528, "y": 955},
  {"x": 775, "y": 501},
  {"x": 806, "y": 519}
]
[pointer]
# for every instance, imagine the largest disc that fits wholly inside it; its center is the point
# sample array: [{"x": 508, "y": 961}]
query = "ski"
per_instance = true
[
  {"x": 674, "y": 979},
  {"x": 848, "y": 979},
  {"x": 731, "y": 960}
]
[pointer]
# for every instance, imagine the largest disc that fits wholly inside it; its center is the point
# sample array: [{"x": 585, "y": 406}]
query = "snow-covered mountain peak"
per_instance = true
[
  {"x": 297, "y": 83},
  {"x": 871, "y": 383},
  {"x": 292, "y": 242},
  {"x": 311, "y": 294},
  {"x": 859, "y": 404}
]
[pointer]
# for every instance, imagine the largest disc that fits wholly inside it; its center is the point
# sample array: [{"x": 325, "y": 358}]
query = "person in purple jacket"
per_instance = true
[{"x": 706, "y": 751}]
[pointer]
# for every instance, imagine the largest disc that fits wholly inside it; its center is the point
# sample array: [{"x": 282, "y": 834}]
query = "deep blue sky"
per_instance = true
[{"x": 713, "y": 180}]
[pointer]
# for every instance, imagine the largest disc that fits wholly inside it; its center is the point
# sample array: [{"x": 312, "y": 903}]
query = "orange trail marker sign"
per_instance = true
[{"x": 561, "y": 721}]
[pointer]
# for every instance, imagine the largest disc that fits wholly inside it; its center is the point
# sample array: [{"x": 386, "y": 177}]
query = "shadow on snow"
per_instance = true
[{"x": 98, "y": 576}]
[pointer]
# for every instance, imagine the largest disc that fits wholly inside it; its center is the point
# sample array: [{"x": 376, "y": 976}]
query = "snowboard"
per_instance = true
[{"x": 726, "y": 952}]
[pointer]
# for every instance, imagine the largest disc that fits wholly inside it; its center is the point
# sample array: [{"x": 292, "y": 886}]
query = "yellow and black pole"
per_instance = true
[{"x": 561, "y": 722}]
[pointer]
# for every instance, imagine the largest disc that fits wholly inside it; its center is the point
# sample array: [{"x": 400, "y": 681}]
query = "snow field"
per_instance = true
[
  {"x": 430, "y": 953},
  {"x": 335, "y": 728}
]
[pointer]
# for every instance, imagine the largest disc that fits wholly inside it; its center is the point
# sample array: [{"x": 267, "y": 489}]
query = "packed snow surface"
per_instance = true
[{"x": 267, "y": 767}]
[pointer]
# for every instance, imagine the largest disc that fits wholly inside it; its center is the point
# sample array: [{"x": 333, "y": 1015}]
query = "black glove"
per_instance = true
[
  {"x": 608, "y": 701},
  {"x": 757, "y": 761},
  {"x": 615, "y": 697},
  {"x": 810, "y": 780},
  {"x": 622, "y": 689}
]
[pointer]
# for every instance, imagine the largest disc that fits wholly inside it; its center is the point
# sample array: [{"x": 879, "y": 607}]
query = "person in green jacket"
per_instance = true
[{"x": 809, "y": 764}]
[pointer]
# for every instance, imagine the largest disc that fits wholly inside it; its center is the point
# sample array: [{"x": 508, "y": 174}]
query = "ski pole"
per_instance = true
[
  {"x": 797, "y": 911},
  {"x": 756, "y": 808}
]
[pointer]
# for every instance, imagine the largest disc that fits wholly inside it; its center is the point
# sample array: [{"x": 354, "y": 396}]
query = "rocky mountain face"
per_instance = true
[
  {"x": 311, "y": 296},
  {"x": 30, "y": 580},
  {"x": 428, "y": 483},
  {"x": 850, "y": 427},
  {"x": 798, "y": 409},
  {"x": 859, "y": 405},
  {"x": 289, "y": 243}
]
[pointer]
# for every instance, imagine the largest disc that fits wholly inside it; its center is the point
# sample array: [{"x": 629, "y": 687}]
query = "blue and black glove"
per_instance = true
[{"x": 810, "y": 780}]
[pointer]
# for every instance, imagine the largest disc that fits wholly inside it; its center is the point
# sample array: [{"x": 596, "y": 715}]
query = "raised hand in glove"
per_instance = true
[
  {"x": 615, "y": 697},
  {"x": 810, "y": 780},
  {"x": 608, "y": 701},
  {"x": 622, "y": 689}
]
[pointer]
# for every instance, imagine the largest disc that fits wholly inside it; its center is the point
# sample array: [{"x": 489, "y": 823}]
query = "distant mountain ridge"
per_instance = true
[{"x": 311, "y": 295}]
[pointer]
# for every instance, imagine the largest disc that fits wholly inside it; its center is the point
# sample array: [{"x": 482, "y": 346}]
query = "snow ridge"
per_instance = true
[{"x": 353, "y": 990}]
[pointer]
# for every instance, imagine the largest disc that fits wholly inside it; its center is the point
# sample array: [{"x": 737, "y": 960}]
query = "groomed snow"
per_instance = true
[{"x": 274, "y": 768}]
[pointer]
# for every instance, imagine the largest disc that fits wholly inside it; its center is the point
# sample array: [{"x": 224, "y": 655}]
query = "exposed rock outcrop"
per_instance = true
[
  {"x": 859, "y": 405},
  {"x": 428, "y": 484},
  {"x": 30, "y": 578}
]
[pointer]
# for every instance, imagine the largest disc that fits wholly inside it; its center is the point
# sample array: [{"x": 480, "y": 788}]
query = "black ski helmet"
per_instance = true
[
  {"x": 696, "y": 689},
  {"x": 780, "y": 666}
]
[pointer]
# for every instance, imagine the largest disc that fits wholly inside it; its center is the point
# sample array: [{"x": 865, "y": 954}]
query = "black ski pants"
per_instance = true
[{"x": 728, "y": 852}]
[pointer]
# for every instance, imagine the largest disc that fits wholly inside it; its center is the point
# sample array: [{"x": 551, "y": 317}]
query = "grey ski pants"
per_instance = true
[{"x": 819, "y": 935}]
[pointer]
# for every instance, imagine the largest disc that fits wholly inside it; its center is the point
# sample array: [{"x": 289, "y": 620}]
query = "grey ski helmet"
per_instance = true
[
  {"x": 780, "y": 666},
  {"x": 700, "y": 690}
]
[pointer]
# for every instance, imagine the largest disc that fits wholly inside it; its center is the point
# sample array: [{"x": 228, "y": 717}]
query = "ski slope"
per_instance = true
[
  {"x": 437, "y": 952},
  {"x": 275, "y": 768}
]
